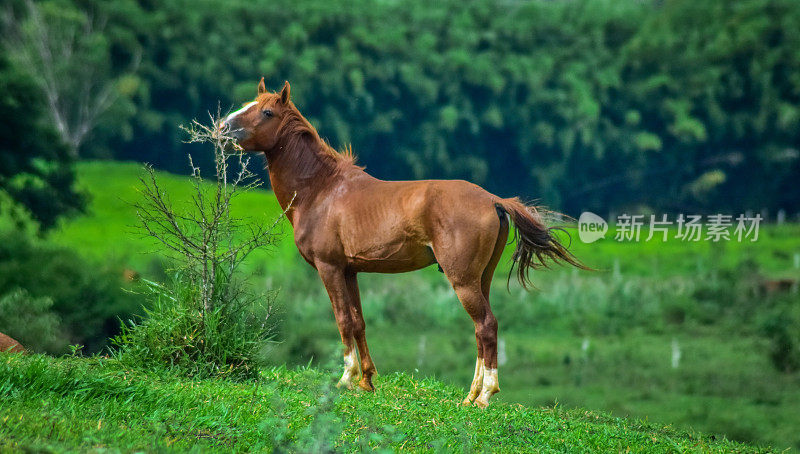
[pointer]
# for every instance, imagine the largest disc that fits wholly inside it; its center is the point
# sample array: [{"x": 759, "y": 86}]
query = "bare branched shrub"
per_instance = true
[
  {"x": 205, "y": 237},
  {"x": 205, "y": 320}
]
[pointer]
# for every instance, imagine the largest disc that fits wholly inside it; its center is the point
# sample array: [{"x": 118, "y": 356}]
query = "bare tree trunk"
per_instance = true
[{"x": 77, "y": 94}]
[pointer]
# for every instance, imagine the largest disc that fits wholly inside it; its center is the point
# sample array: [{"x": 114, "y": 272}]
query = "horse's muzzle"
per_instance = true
[{"x": 231, "y": 130}]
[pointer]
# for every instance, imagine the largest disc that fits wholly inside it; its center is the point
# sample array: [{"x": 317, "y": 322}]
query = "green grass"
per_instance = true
[
  {"x": 110, "y": 230},
  {"x": 94, "y": 404},
  {"x": 724, "y": 388}
]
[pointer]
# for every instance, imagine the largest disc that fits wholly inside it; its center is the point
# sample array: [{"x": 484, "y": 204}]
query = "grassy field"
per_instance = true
[
  {"x": 94, "y": 405},
  {"x": 603, "y": 340},
  {"x": 109, "y": 230}
]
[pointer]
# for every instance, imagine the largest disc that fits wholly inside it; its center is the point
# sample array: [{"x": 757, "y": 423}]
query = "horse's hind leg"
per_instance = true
[
  {"x": 497, "y": 253},
  {"x": 490, "y": 384},
  {"x": 360, "y": 334},
  {"x": 485, "y": 382},
  {"x": 467, "y": 265},
  {"x": 336, "y": 284},
  {"x": 486, "y": 282}
]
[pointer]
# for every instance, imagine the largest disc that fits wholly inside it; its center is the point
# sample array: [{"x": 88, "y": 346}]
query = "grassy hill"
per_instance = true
[{"x": 94, "y": 405}]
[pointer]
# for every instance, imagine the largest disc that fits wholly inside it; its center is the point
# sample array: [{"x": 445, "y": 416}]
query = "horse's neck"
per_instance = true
[{"x": 298, "y": 171}]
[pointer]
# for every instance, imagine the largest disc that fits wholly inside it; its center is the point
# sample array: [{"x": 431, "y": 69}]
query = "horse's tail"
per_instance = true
[{"x": 535, "y": 241}]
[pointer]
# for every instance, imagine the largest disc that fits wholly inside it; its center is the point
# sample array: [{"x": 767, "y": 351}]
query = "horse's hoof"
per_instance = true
[
  {"x": 466, "y": 402},
  {"x": 366, "y": 385},
  {"x": 481, "y": 403},
  {"x": 344, "y": 384}
]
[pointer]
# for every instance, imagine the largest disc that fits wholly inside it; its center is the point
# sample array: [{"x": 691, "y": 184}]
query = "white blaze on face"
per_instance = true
[{"x": 240, "y": 111}]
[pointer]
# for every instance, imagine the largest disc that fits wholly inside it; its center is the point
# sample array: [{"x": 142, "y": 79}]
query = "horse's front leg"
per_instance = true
[
  {"x": 360, "y": 334},
  {"x": 333, "y": 277}
]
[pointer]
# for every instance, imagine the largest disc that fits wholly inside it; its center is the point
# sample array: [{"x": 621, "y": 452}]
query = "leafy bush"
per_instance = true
[
  {"x": 89, "y": 299},
  {"x": 226, "y": 340},
  {"x": 16, "y": 218},
  {"x": 32, "y": 322},
  {"x": 781, "y": 328}
]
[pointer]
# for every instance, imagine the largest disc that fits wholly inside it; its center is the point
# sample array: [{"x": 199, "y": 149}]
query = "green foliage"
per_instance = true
[
  {"x": 87, "y": 404},
  {"x": 28, "y": 319},
  {"x": 713, "y": 81},
  {"x": 15, "y": 217},
  {"x": 35, "y": 168},
  {"x": 31, "y": 321},
  {"x": 69, "y": 54},
  {"x": 781, "y": 328},
  {"x": 175, "y": 333},
  {"x": 59, "y": 284}
]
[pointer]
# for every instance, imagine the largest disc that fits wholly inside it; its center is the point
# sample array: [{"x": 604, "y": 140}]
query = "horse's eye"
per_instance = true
[{"x": 267, "y": 112}]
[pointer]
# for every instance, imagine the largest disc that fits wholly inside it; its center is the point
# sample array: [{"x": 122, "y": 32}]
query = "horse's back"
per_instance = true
[
  {"x": 423, "y": 208},
  {"x": 419, "y": 200},
  {"x": 455, "y": 203}
]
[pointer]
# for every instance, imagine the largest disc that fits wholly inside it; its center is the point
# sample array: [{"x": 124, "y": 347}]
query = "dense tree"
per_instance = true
[{"x": 717, "y": 83}]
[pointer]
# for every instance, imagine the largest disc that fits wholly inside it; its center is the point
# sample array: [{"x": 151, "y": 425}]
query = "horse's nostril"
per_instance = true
[{"x": 223, "y": 127}]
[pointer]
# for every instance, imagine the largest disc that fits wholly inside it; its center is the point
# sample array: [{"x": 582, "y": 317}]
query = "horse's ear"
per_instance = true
[
  {"x": 285, "y": 92},
  {"x": 261, "y": 87}
]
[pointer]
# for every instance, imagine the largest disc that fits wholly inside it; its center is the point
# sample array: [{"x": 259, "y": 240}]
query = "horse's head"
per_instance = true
[{"x": 256, "y": 125}]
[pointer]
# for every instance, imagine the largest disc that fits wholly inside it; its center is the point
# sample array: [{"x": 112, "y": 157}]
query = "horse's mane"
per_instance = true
[{"x": 294, "y": 127}]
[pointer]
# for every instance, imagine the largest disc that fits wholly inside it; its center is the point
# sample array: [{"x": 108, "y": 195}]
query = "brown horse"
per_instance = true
[{"x": 345, "y": 222}]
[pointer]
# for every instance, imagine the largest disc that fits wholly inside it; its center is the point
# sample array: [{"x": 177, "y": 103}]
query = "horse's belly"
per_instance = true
[
  {"x": 395, "y": 257},
  {"x": 385, "y": 237}
]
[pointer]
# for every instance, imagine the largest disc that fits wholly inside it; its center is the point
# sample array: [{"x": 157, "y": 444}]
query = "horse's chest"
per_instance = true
[
  {"x": 316, "y": 238},
  {"x": 303, "y": 238}
]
